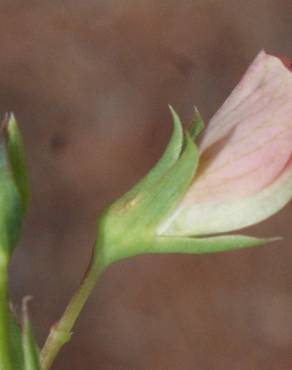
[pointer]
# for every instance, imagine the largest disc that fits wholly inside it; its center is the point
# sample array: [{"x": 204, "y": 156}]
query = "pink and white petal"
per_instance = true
[
  {"x": 243, "y": 168},
  {"x": 266, "y": 78},
  {"x": 252, "y": 133},
  {"x": 207, "y": 219},
  {"x": 246, "y": 156}
]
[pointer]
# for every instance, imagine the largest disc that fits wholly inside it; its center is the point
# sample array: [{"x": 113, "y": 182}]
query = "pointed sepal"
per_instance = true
[
  {"x": 213, "y": 244},
  {"x": 168, "y": 159},
  {"x": 197, "y": 124}
]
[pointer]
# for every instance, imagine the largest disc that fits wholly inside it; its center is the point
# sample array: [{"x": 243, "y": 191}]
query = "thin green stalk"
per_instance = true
[
  {"x": 5, "y": 350},
  {"x": 61, "y": 332}
]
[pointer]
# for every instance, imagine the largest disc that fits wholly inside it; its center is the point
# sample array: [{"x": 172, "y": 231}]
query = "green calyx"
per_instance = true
[{"x": 129, "y": 227}]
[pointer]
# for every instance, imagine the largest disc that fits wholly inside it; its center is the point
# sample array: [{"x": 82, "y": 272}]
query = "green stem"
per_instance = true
[
  {"x": 5, "y": 350},
  {"x": 61, "y": 332}
]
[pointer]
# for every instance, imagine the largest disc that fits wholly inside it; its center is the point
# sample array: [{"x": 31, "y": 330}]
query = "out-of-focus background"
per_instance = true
[{"x": 89, "y": 81}]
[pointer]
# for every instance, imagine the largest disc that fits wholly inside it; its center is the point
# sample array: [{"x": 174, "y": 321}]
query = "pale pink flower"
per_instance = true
[{"x": 245, "y": 171}]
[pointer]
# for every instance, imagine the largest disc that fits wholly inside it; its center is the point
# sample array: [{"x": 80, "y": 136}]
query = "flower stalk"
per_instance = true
[{"x": 61, "y": 332}]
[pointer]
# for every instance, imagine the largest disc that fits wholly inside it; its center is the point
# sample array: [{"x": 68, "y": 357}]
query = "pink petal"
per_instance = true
[
  {"x": 208, "y": 218},
  {"x": 249, "y": 140}
]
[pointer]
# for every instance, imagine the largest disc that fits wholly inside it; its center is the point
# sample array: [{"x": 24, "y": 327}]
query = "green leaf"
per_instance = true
[{"x": 30, "y": 350}]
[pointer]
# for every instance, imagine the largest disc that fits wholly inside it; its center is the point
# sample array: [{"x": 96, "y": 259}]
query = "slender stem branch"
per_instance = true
[
  {"x": 61, "y": 332},
  {"x": 5, "y": 354}
]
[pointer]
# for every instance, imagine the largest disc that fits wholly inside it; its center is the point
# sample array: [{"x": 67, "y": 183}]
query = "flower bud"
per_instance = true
[
  {"x": 14, "y": 193},
  {"x": 239, "y": 174}
]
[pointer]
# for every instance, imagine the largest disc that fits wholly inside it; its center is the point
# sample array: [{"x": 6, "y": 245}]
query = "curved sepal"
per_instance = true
[
  {"x": 214, "y": 244},
  {"x": 169, "y": 157},
  {"x": 167, "y": 192}
]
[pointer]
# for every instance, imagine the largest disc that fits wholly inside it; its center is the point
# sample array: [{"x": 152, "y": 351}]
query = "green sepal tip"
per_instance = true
[{"x": 197, "y": 124}]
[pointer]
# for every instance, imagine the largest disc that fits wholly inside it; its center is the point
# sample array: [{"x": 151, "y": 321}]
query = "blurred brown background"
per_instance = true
[{"x": 90, "y": 82}]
